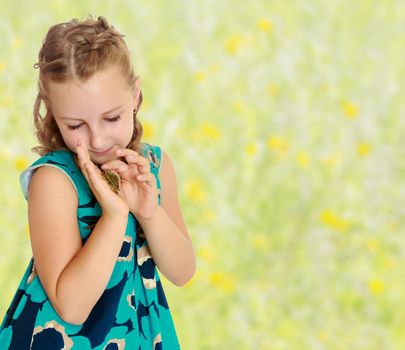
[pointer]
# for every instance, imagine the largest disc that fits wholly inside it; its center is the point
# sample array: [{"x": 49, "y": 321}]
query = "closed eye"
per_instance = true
[
  {"x": 111, "y": 120},
  {"x": 74, "y": 127},
  {"x": 118, "y": 117}
]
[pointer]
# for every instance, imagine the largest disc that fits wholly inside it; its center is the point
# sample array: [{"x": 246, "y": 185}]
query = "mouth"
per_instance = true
[{"x": 102, "y": 153}]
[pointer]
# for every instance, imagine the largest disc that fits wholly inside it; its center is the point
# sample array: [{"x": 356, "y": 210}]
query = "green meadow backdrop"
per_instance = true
[{"x": 284, "y": 121}]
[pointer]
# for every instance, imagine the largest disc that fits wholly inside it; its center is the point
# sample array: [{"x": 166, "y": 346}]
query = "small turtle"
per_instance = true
[{"x": 112, "y": 179}]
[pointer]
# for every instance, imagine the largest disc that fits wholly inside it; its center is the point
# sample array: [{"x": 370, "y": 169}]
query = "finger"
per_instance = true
[
  {"x": 141, "y": 162},
  {"x": 148, "y": 178},
  {"x": 116, "y": 164},
  {"x": 96, "y": 181},
  {"x": 82, "y": 154},
  {"x": 85, "y": 152},
  {"x": 134, "y": 157},
  {"x": 81, "y": 160},
  {"x": 122, "y": 152},
  {"x": 90, "y": 174}
]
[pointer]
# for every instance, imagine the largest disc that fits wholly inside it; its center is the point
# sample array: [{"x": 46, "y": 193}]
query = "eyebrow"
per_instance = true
[{"x": 109, "y": 111}]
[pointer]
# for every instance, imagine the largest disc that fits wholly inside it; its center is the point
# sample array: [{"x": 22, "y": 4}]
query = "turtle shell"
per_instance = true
[{"x": 112, "y": 179}]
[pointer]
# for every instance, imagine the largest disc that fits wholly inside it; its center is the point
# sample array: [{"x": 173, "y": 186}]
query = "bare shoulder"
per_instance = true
[
  {"x": 48, "y": 180},
  {"x": 50, "y": 189},
  {"x": 52, "y": 217},
  {"x": 169, "y": 195}
]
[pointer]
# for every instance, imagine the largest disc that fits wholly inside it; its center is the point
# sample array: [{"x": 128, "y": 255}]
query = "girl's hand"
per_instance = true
[
  {"x": 110, "y": 202},
  {"x": 138, "y": 184}
]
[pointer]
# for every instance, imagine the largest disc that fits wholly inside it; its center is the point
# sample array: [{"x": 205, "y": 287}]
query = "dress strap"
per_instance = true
[{"x": 154, "y": 155}]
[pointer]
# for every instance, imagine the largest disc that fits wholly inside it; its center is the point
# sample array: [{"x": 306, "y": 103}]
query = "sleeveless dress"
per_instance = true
[{"x": 131, "y": 314}]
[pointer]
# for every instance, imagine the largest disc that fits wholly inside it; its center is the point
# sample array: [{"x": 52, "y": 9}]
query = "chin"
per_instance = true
[{"x": 103, "y": 159}]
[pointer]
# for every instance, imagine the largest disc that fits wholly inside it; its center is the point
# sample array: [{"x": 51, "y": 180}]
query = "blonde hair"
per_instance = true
[{"x": 74, "y": 51}]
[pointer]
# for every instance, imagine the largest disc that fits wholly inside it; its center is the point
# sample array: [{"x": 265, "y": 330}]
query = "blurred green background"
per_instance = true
[{"x": 284, "y": 122}]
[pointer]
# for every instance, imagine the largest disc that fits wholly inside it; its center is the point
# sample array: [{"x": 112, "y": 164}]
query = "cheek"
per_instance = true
[
  {"x": 71, "y": 139},
  {"x": 71, "y": 142},
  {"x": 128, "y": 129}
]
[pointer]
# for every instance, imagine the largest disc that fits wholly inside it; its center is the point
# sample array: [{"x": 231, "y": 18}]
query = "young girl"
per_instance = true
[{"x": 92, "y": 282}]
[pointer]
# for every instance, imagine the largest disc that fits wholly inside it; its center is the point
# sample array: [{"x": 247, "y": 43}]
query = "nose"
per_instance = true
[{"x": 97, "y": 140}]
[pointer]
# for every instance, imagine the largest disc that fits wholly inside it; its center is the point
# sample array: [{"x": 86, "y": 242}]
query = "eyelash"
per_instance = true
[{"x": 111, "y": 120}]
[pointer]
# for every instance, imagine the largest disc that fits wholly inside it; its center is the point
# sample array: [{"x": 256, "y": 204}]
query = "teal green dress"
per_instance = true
[{"x": 131, "y": 314}]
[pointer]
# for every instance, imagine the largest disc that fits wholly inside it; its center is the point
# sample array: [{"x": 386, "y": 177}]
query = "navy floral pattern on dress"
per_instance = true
[{"x": 132, "y": 313}]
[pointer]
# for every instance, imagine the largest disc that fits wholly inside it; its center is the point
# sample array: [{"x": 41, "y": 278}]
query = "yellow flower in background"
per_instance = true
[
  {"x": 363, "y": 149},
  {"x": 278, "y": 144},
  {"x": 200, "y": 75},
  {"x": 372, "y": 245},
  {"x": 223, "y": 281},
  {"x": 195, "y": 191},
  {"x": 303, "y": 159},
  {"x": 323, "y": 336},
  {"x": 239, "y": 106},
  {"x": 214, "y": 68},
  {"x": 376, "y": 286},
  {"x": 390, "y": 263},
  {"x": 331, "y": 160},
  {"x": 350, "y": 110},
  {"x": 251, "y": 149},
  {"x": 272, "y": 89},
  {"x": 148, "y": 130},
  {"x": 286, "y": 328},
  {"x": 233, "y": 44},
  {"x": 194, "y": 136},
  {"x": 16, "y": 43},
  {"x": 208, "y": 215},
  {"x": 21, "y": 163},
  {"x": 260, "y": 241},
  {"x": 264, "y": 25},
  {"x": 206, "y": 254},
  {"x": 145, "y": 105},
  {"x": 210, "y": 131},
  {"x": 228, "y": 285},
  {"x": 329, "y": 218},
  {"x": 5, "y": 101},
  {"x": 216, "y": 278},
  {"x": 190, "y": 283},
  {"x": 2, "y": 66}
]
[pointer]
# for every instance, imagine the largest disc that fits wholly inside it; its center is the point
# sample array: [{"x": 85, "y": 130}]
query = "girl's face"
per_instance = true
[{"x": 98, "y": 111}]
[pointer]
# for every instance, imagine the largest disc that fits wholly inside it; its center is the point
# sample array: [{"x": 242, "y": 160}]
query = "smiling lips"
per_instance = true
[{"x": 103, "y": 152}]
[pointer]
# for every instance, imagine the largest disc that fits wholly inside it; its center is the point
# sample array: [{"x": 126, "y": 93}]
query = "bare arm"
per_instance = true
[
  {"x": 73, "y": 276},
  {"x": 166, "y": 231}
]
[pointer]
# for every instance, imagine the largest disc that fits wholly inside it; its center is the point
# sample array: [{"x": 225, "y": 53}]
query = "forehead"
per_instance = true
[{"x": 101, "y": 92}]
